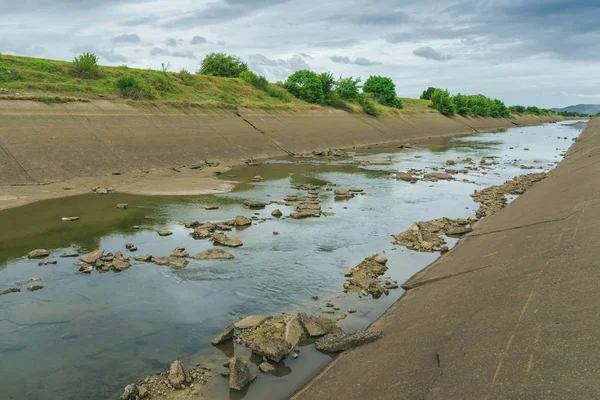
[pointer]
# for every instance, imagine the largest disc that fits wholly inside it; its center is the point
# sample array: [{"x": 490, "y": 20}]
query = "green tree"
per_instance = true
[
  {"x": 348, "y": 88},
  {"x": 462, "y": 104},
  {"x": 517, "y": 109},
  {"x": 221, "y": 64},
  {"x": 427, "y": 93},
  {"x": 383, "y": 90},
  {"x": 368, "y": 105},
  {"x": 442, "y": 101},
  {"x": 328, "y": 85},
  {"x": 306, "y": 85}
]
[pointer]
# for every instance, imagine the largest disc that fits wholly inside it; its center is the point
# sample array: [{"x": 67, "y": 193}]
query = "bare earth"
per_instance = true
[
  {"x": 165, "y": 182},
  {"x": 510, "y": 313}
]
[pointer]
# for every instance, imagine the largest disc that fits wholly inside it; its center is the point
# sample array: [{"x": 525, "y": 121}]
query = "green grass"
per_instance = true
[
  {"x": 51, "y": 81},
  {"x": 417, "y": 105}
]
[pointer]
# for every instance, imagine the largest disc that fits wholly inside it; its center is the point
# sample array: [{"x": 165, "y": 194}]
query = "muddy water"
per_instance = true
[{"x": 87, "y": 336}]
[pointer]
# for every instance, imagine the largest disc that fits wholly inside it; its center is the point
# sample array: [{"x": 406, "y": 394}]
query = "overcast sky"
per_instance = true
[{"x": 541, "y": 52}]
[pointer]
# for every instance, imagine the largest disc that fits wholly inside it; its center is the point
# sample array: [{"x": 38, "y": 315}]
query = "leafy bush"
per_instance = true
[
  {"x": 442, "y": 101},
  {"x": 259, "y": 82},
  {"x": 368, "y": 105},
  {"x": 221, "y": 64},
  {"x": 348, "y": 88},
  {"x": 162, "y": 83},
  {"x": 336, "y": 101},
  {"x": 86, "y": 66},
  {"x": 517, "y": 109},
  {"x": 279, "y": 93},
  {"x": 9, "y": 75},
  {"x": 306, "y": 85},
  {"x": 427, "y": 93},
  {"x": 185, "y": 77},
  {"x": 383, "y": 90},
  {"x": 131, "y": 88}
]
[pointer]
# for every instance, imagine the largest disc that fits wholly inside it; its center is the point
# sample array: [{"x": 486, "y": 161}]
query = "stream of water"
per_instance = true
[{"x": 87, "y": 336}]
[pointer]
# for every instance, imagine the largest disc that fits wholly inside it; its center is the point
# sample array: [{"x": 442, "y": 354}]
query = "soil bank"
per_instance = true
[
  {"x": 45, "y": 148},
  {"x": 510, "y": 312}
]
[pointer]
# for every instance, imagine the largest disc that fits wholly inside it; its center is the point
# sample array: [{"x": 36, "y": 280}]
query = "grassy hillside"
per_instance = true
[{"x": 53, "y": 81}]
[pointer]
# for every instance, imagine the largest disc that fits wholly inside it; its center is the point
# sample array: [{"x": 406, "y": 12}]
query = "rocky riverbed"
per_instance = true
[{"x": 163, "y": 277}]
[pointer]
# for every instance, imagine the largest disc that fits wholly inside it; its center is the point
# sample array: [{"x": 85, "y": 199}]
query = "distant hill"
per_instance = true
[{"x": 592, "y": 109}]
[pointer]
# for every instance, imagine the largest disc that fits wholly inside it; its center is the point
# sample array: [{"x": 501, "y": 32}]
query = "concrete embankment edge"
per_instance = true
[
  {"x": 510, "y": 313},
  {"x": 42, "y": 143}
]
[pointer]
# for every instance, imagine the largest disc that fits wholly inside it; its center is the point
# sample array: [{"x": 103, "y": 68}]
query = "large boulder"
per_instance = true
[
  {"x": 239, "y": 374},
  {"x": 342, "y": 341},
  {"x": 251, "y": 322},
  {"x": 215, "y": 253},
  {"x": 240, "y": 220},
  {"x": 92, "y": 257},
  {"x": 173, "y": 262},
  {"x": 38, "y": 253},
  {"x": 176, "y": 374},
  {"x": 274, "y": 338},
  {"x": 224, "y": 240},
  {"x": 317, "y": 326}
]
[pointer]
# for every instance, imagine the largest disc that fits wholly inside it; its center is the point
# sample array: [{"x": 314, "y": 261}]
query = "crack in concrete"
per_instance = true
[
  {"x": 408, "y": 285},
  {"x": 522, "y": 226},
  {"x": 289, "y": 153}
]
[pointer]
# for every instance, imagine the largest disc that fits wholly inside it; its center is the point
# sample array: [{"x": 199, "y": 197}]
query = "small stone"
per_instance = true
[
  {"x": 240, "y": 220},
  {"x": 341, "y": 341},
  {"x": 122, "y": 206},
  {"x": 351, "y": 311},
  {"x": 67, "y": 219},
  {"x": 315, "y": 297},
  {"x": 130, "y": 393},
  {"x": 144, "y": 258},
  {"x": 276, "y": 213},
  {"x": 211, "y": 208},
  {"x": 227, "y": 334},
  {"x": 275, "y": 233},
  {"x": 294, "y": 355},
  {"x": 266, "y": 367},
  {"x": 92, "y": 257},
  {"x": 215, "y": 253},
  {"x": 70, "y": 254},
  {"x": 176, "y": 374},
  {"x": 10, "y": 290},
  {"x": 164, "y": 232},
  {"x": 224, "y": 240},
  {"x": 34, "y": 288}
]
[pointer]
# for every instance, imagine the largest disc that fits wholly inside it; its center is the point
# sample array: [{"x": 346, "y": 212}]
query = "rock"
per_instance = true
[
  {"x": 365, "y": 277},
  {"x": 144, "y": 258},
  {"x": 215, "y": 253},
  {"x": 211, "y": 208},
  {"x": 305, "y": 214},
  {"x": 294, "y": 332},
  {"x": 266, "y": 367},
  {"x": 316, "y": 326},
  {"x": 339, "y": 192},
  {"x": 173, "y": 262},
  {"x": 376, "y": 161},
  {"x": 493, "y": 198},
  {"x": 120, "y": 264},
  {"x": 34, "y": 288},
  {"x": 92, "y": 257},
  {"x": 48, "y": 262},
  {"x": 38, "y": 253},
  {"x": 10, "y": 290},
  {"x": 436, "y": 176},
  {"x": 276, "y": 213},
  {"x": 200, "y": 232},
  {"x": 273, "y": 338},
  {"x": 70, "y": 254},
  {"x": 100, "y": 190},
  {"x": 176, "y": 375},
  {"x": 129, "y": 246},
  {"x": 122, "y": 206},
  {"x": 275, "y": 233},
  {"x": 180, "y": 252},
  {"x": 85, "y": 268},
  {"x": 450, "y": 162},
  {"x": 164, "y": 232},
  {"x": 378, "y": 259},
  {"x": 257, "y": 178},
  {"x": 342, "y": 341},
  {"x": 328, "y": 214},
  {"x": 239, "y": 374},
  {"x": 35, "y": 279},
  {"x": 131, "y": 392},
  {"x": 406, "y": 176},
  {"x": 294, "y": 355},
  {"x": 251, "y": 322},
  {"x": 240, "y": 220},
  {"x": 255, "y": 204},
  {"x": 67, "y": 219},
  {"x": 142, "y": 391},
  {"x": 227, "y": 334},
  {"x": 224, "y": 240}
]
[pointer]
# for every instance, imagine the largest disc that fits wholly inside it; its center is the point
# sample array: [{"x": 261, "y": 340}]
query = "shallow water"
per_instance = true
[{"x": 87, "y": 336}]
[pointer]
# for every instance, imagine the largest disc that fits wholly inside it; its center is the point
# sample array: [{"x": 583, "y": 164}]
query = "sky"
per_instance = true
[{"x": 530, "y": 52}]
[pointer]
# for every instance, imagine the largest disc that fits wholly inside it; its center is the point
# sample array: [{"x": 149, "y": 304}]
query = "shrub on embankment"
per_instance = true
[{"x": 466, "y": 105}]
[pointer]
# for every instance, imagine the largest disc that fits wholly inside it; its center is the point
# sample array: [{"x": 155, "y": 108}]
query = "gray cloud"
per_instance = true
[
  {"x": 279, "y": 68},
  {"x": 336, "y": 43},
  {"x": 111, "y": 56},
  {"x": 430, "y": 54},
  {"x": 383, "y": 17},
  {"x": 364, "y": 62},
  {"x": 220, "y": 11},
  {"x": 198, "y": 40},
  {"x": 127, "y": 38},
  {"x": 159, "y": 51},
  {"x": 171, "y": 42}
]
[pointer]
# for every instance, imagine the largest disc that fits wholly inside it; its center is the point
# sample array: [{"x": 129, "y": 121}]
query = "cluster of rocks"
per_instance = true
[
  {"x": 305, "y": 208},
  {"x": 331, "y": 153},
  {"x": 426, "y": 236},
  {"x": 213, "y": 230},
  {"x": 365, "y": 278},
  {"x": 376, "y": 161},
  {"x": 103, "y": 263},
  {"x": 31, "y": 288},
  {"x": 274, "y": 337},
  {"x": 493, "y": 199},
  {"x": 257, "y": 178},
  {"x": 164, "y": 384}
]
